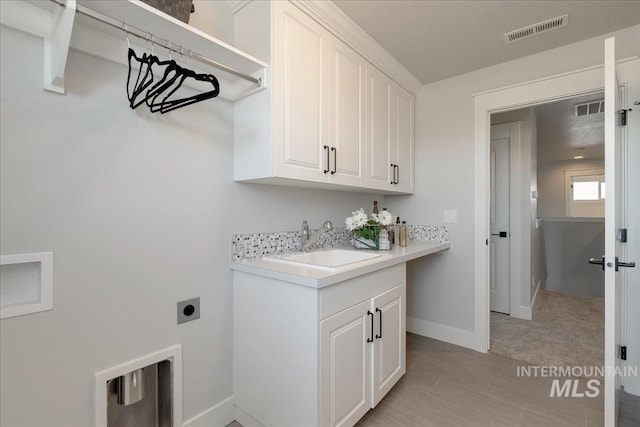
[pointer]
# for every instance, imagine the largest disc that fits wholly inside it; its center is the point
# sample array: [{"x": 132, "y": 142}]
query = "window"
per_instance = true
[
  {"x": 585, "y": 193},
  {"x": 587, "y": 187}
]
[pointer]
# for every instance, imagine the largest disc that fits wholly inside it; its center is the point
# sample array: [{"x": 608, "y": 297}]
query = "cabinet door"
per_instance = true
[
  {"x": 345, "y": 375},
  {"x": 346, "y": 114},
  {"x": 378, "y": 129},
  {"x": 402, "y": 139},
  {"x": 300, "y": 94},
  {"x": 390, "y": 337}
]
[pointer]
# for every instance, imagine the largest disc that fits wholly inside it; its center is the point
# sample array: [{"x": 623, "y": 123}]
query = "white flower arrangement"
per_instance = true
[
  {"x": 357, "y": 220},
  {"x": 366, "y": 230},
  {"x": 383, "y": 218}
]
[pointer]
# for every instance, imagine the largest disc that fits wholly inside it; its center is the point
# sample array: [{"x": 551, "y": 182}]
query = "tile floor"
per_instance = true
[
  {"x": 450, "y": 386},
  {"x": 447, "y": 385}
]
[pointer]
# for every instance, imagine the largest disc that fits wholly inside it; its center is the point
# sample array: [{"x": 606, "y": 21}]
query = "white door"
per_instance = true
[
  {"x": 499, "y": 285},
  {"x": 345, "y": 365},
  {"x": 614, "y": 250},
  {"x": 389, "y": 341}
]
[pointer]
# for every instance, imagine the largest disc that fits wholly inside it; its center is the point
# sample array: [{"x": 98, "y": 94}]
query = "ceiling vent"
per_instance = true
[
  {"x": 535, "y": 29},
  {"x": 589, "y": 108}
]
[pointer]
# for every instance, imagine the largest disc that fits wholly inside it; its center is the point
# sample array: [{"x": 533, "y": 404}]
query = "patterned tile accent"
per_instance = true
[
  {"x": 430, "y": 233},
  {"x": 254, "y": 245}
]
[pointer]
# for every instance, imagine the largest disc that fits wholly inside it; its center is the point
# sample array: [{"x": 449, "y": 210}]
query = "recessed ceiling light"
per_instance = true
[{"x": 578, "y": 157}]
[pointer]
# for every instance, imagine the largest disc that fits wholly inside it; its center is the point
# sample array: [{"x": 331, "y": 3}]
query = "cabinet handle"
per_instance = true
[
  {"x": 335, "y": 159},
  {"x": 371, "y": 314},
  {"x": 326, "y": 147},
  {"x": 378, "y": 336},
  {"x": 397, "y": 174},
  {"x": 393, "y": 173}
]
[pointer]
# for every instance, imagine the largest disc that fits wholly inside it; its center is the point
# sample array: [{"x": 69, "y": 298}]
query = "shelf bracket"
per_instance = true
[{"x": 56, "y": 46}]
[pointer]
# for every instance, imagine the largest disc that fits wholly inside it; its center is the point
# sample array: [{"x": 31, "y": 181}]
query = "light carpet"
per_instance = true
[{"x": 566, "y": 330}]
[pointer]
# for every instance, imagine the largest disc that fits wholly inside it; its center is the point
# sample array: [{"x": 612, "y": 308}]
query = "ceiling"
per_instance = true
[
  {"x": 439, "y": 39},
  {"x": 561, "y": 135}
]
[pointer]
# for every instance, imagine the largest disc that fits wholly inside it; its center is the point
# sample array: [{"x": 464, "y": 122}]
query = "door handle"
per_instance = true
[
  {"x": 624, "y": 264},
  {"x": 380, "y": 334},
  {"x": 501, "y": 234},
  {"x": 370, "y": 314},
  {"x": 397, "y": 174},
  {"x": 597, "y": 262},
  {"x": 393, "y": 174},
  {"x": 618, "y": 263}
]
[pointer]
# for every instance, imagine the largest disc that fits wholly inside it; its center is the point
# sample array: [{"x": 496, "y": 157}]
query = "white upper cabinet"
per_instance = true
[
  {"x": 389, "y": 134},
  {"x": 299, "y": 95},
  {"x": 310, "y": 128},
  {"x": 346, "y": 115},
  {"x": 402, "y": 142},
  {"x": 379, "y": 169}
]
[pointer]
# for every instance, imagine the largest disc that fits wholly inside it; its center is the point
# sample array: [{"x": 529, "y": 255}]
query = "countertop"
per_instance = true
[{"x": 317, "y": 278}]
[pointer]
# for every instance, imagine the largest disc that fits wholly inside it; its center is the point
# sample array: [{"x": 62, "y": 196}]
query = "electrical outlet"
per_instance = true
[
  {"x": 450, "y": 216},
  {"x": 188, "y": 310}
]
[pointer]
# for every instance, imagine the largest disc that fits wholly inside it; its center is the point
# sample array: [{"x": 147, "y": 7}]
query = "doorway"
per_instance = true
[
  {"x": 581, "y": 82},
  {"x": 555, "y": 287}
]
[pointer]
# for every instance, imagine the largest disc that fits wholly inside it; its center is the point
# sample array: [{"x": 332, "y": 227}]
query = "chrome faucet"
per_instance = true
[{"x": 308, "y": 239}]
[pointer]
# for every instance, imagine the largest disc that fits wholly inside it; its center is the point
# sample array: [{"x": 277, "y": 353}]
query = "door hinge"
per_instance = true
[
  {"x": 623, "y": 235},
  {"x": 623, "y": 352}
]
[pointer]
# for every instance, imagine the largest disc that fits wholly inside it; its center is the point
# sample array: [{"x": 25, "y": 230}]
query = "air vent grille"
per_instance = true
[
  {"x": 589, "y": 108},
  {"x": 532, "y": 30}
]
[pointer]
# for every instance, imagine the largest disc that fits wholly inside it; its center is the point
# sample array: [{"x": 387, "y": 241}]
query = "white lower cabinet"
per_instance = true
[
  {"x": 362, "y": 357},
  {"x": 307, "y": 356}
]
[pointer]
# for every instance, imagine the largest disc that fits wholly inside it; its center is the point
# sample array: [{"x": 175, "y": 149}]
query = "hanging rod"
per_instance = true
[{"x": 166, "y": 44}]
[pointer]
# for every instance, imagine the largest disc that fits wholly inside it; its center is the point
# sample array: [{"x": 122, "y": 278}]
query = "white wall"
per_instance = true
[
  {"x": 442, "y": 291},
  {"x": 138, "y": 209},
  {"x": 551, "y": 184}
]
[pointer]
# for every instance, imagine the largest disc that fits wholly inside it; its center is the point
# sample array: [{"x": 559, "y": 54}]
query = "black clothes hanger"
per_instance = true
[
  {"x": 171, "y": 74},
  {"x": 167, "y": 104},
  {"x": 143, "y": 80},
  {"x": 158, "y": 95}
]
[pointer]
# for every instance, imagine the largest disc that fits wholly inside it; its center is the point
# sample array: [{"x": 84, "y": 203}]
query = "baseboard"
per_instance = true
[
  {"x": 526, "y": 312},
  {"x": 219, "y": 415},
  {"x": 441, "y": 332},
  {"x": 535, "y": 295},
  {"x": 245, "y": 419}
]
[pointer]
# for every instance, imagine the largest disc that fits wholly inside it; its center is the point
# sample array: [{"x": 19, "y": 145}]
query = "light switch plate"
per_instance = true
[
  {"x": 450, "y": 216},
  {"x": 188, "y": 310}
]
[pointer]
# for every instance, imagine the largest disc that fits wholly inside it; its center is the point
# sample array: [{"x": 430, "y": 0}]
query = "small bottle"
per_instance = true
[
  {"x": 404, "y": 232},
  {"x": 397, "y": 230},
  {"x": 384, "y": 240},
  {"x": 375, "y": 207}
]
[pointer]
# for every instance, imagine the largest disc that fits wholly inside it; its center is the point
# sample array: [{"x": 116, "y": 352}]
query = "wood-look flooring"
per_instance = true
[
  {"x": 448, "y": 385},
  {"x": 451, "y": 386}
]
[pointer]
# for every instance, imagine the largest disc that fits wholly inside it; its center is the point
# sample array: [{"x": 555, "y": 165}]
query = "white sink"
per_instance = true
[{"x": 328, "y": 259}]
